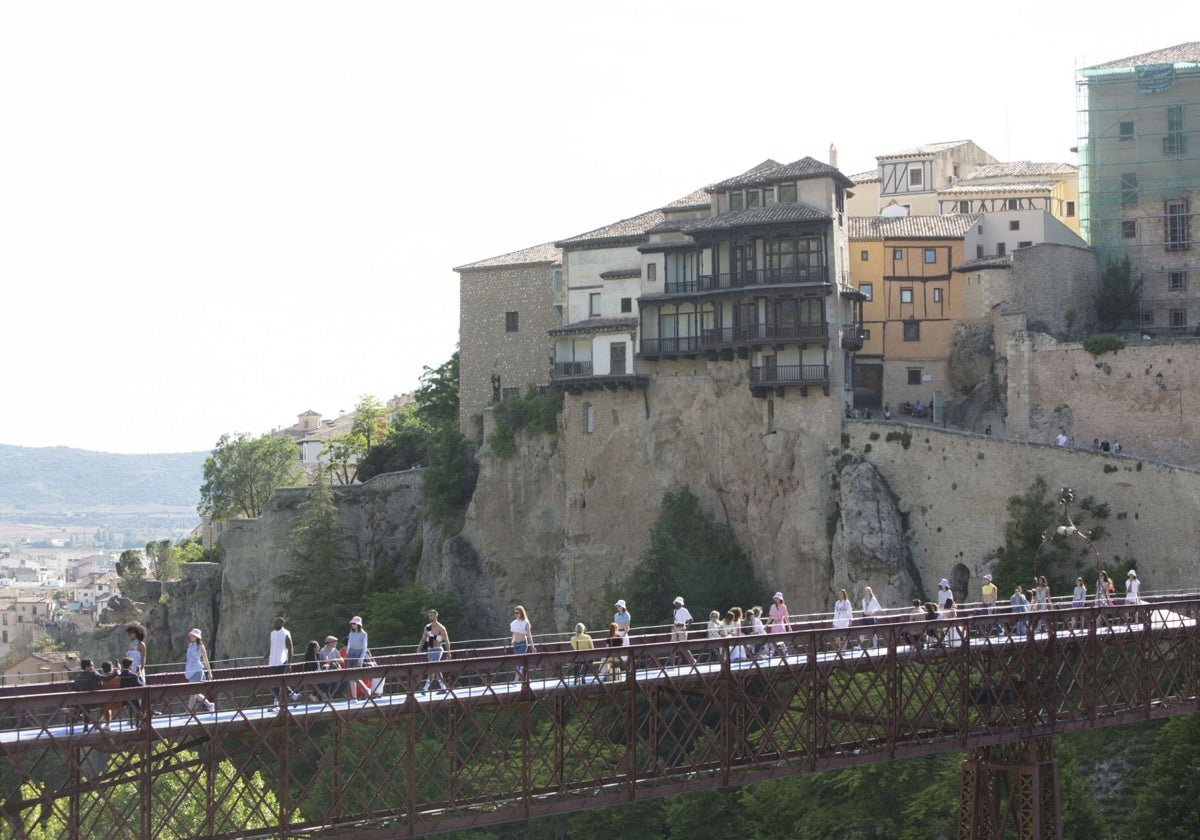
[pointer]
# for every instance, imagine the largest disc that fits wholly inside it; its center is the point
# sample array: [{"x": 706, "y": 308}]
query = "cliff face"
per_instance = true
[{"x": 382, "y": 517}]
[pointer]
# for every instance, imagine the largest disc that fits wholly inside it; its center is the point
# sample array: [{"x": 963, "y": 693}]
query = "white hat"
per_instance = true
[
  {"x": 1132, "y": 573},
  {"x": 356, "y": 620},
  {"x": 678, "y": 601},
  {"x": 943, "y": 582},
  {"x": 195, "y": 632},
  {"x": 987, "y": 577},
  {"x": 777, "y": 595},
  {"x": 620, "y": 603}
]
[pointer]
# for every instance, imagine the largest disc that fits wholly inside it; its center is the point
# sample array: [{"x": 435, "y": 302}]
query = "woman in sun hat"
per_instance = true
[
  {"x": 196, "y": 668},
  {"x": 943, "y": 592},
  {"x": 622, "y": 619}
]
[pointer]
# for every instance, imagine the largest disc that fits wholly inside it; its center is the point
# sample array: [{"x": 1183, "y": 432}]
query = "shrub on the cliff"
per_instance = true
[
  {"x": 536, "y": 411},
  {"x": 692, "y": 556},
  {"x": 1102, "y": 343}
]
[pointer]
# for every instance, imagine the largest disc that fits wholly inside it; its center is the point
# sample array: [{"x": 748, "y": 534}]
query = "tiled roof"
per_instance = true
[
  {"x": 1188, "y": 53},
  {"x": 865, "y": 177},
  {"x": 632, "y": 229},
  {"x": 953, "y": 226},
  {"x": 998, "y": 187},
  {"x": 597, "y": 325},
  {"x": 927, "y": 149},
  {"x": 621, "y": 274},
  {"x": 697, "y": 200},
  {"x": 772, "y": 214},
  {"x": 986, "y": 262},
  {"x": 544, "y": 253},
  {"x": 1019, "y": 169},
  {"x": 770, "y": 172}
]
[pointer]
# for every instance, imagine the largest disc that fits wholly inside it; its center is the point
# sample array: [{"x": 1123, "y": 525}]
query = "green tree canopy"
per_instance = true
[
  {"x": 405, "y": 444},
  {"x": 243, "y": 472},
  {"x": 1167, "y": 807},
  {"x": 1119, "y": 295},
  {"x": 437, "y": 396},
  {"x": 692, "y": 556},
  {"x": 131, "y": 572}
]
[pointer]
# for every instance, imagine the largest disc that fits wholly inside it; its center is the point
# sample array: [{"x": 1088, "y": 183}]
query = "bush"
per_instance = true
[
  {"x": 1102, "y": 343},
  {"x": 536, "y": 411}
]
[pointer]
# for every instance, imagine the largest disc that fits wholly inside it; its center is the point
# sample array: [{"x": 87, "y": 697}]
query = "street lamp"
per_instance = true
[{"x": 1067, "y": 528}]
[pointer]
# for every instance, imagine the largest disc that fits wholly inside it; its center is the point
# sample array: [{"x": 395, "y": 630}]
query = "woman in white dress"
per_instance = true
[
  {"x": 871, "y": 611},
  {"x": 843, "y": 616},
  {"x": 953, "y": 633}
]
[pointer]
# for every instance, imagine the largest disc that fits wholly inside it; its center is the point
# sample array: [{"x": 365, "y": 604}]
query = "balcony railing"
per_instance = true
[
  {"x": 681, "y": 345},
  {"x": 761, "y": 277},
  {"x": 567, "y": 369},
  {"x": 789, "y": 374},
  {"x": 852, "y": 338},
  {"x": 729, "y": 336}
]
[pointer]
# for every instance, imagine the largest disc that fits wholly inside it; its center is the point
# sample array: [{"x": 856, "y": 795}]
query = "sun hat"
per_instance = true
[
  {"x": 195, "y": 632},
  {"x": 330, "y": 639},
  {"x": 620, "y": 603},
  {"x": 1132, "y": 573},
  {"x": 678, "y": 601},
  {"x": 778, "y": 595},
  {"x": 987, "y": 577},
  {"x": 356, "y": 620},
  {"x": 943, "y": 582}
]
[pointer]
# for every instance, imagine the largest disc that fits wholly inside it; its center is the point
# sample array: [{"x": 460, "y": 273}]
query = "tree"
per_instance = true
[
  {"x": 405, "y": 444},
  {"x": 163, "y": 560},
  {"x": 692, "y": 556},
  {"x": 131, "y": 572},
  {"x": 1167, "y": 806},
  {"x": 370, "y": 420},
  {"x": 437, "y": 395},
  {"x": 325, "y": 578},
  {"x": 1119, "y": 295},
  {"x": 243, "y": 472}
]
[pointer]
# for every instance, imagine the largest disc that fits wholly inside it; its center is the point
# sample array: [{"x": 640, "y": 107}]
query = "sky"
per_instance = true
[{"x": 215, "y": 216}]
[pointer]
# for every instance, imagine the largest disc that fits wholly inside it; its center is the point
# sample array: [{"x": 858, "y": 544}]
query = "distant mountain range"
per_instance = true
[{"x": 61, "y": 477}]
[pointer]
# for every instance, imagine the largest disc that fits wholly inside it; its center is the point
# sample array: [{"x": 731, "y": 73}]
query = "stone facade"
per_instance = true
[
  {"x": 506, "y": 306},
  {"x": 1045, "y": 282}
]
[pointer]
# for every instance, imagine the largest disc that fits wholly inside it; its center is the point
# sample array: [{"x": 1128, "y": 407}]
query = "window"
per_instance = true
[
  {"x": 1175, "y": 142},
  {"x": 753, "y": 198},
  {"x": 1129, "y": 228},
  {"x": 509, "y": 393},
  {"x": 962, "y": 207},
  {"x": 787, "y": 193},
  {"x": 868, "y": 290},
  {"x": 510, "y": 321},
  {"x": 736, "y": 201},
  {"x": 897, "y": 254},
  {"x": 1070, "y": 209},
  {"x": 955, "y": 170},
  {"x": 914, "y": 376},
  {"x": 937, "y": 295},
  {"x": 1177, "y": 227},
  {"x": 1178, "y": 319},
  {"x": 589, "y": 418},
  {"x": 769, "y": 195},
  {"x": 930, "y": 256},
  {"x": 626, "y": 304},
  {"x": 594, "y": 305},
  {"x": 978, "y": 252},
  {"x": 1012, "y": 204},
  {"x": 1177, "y": 281},
  {"x": 1126, "y": 130},
  {"x": 1147, "y": 319},
  {"x": 1014, "y": 224},
  {"x": 652, "y": 271},
  {"x": 1001, "y": 249},
  {"x": 912, "y": 331},
  {"x": 556, "y": 279},
  {"x": 906, "y": 296},
  {"x": 1129, "y": 188},
  {"x": 1026, "y": 243},
  {"x": 863, "y": 256},
  {"x": 916, "y": 177},
  {"x": 865, "y": 334}
]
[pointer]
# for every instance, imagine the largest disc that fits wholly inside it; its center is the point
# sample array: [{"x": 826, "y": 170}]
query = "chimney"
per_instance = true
[{"x": 833, "y": 155}]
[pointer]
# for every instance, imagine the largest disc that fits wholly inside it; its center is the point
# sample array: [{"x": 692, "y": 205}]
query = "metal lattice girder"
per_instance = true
[{"x": 506, "y": 743}]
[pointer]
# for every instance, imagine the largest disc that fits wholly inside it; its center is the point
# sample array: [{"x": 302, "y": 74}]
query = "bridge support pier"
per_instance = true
[{"x": 1010, "y": 784}]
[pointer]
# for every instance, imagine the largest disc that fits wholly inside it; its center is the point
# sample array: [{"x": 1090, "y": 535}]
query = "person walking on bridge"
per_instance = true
[
  {"x": 279, "y": 657},
  {"x": 989, "y": 597},
  {"x": 196, "y": 668},
  {"x": 680, "y": 619},
  {"x": 623, "y": 620},
  {"x": 522, "y": 635},
  {"x": 435, "y": 641}
]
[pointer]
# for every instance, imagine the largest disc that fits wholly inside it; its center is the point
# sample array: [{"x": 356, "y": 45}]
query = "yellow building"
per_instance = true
[{"x": 903, "y": 265}]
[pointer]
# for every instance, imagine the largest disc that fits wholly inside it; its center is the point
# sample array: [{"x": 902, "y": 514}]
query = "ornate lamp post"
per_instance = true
[{"x": 1067, "y": 528}]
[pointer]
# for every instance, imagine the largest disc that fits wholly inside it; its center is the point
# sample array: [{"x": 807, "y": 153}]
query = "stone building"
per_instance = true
[
  {"x": 506, "y": 306},
  {"x": 908, "y": 182},
  {"x": 1140, "y": 176}
]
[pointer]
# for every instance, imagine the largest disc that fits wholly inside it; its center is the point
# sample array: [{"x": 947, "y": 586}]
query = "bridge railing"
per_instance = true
[{"x": 516, "y": 736}]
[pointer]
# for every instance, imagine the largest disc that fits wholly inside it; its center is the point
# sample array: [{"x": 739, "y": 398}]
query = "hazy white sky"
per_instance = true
[{"x": 214, "y": 216}]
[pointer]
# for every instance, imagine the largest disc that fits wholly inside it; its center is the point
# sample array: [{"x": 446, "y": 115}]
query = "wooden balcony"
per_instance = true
[
  {"x": 577, "y": 377},
  {"x": 767, "y": 378},
  {"x": 687, "y": 346},
  {"x": 852, "y": 338},
  {"x": 816, "y": 276}
]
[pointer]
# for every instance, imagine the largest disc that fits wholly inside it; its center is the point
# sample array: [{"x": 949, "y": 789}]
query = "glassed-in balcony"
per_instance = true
[{"x": 811, "y": 274}]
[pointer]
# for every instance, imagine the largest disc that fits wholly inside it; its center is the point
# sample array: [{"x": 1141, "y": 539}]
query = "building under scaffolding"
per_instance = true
[{"x": 1139, "y": 177}]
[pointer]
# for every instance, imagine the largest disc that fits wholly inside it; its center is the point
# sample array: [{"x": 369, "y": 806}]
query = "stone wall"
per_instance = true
[
  {"x": 954, "y": 488},
  {"x": 1116, "y": 396},
  {"x": 521, "y": 358}
]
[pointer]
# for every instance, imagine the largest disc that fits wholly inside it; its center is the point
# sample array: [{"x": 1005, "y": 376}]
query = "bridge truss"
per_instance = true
[{"x": 556, "y": 732}]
